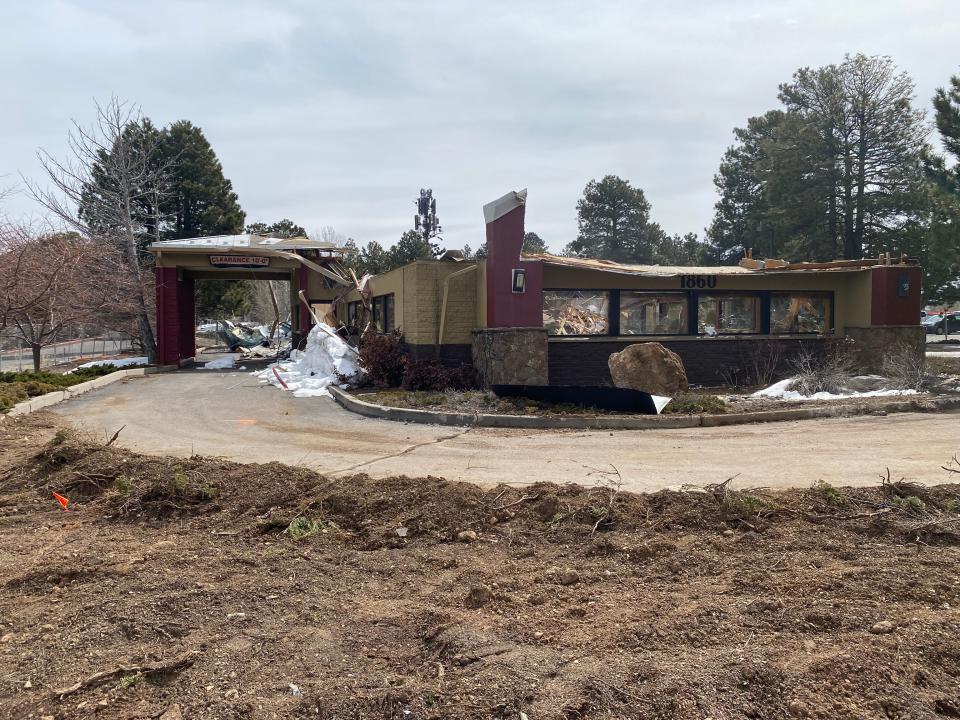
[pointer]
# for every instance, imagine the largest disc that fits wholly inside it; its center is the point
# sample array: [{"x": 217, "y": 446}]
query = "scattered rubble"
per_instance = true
[{"x": 326, "y": 360}]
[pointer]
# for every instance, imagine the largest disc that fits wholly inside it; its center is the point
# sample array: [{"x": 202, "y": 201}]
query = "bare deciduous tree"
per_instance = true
[
  {"x": 47, "y": 285},
  {"x": 111, "y": 175}
]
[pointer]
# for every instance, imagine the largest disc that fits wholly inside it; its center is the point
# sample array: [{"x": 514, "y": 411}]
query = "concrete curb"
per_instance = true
[
  {"x": 645, "y": 422},
  {"x": 52, "y": 398}
]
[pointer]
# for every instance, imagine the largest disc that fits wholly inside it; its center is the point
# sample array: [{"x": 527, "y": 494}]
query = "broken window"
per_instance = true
[
  {"x": 796, "y": 313},
  {"x": 718, "y": 314},
  {"x": 576, "y": 312},
  {"x": 652, "y": 314},
  {"x": 383, "y": 321}
]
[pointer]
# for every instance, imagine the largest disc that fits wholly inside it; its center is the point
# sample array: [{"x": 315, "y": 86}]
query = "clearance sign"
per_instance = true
[{"x": 239, "y": 261}]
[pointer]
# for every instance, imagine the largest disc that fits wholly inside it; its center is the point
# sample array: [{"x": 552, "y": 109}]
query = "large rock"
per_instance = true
[{"x": 649, "y": 367}]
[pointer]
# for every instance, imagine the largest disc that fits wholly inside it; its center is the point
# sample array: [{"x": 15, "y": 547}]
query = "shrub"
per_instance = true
[
  {"x": 687, "y": 403},
  {"x": 757, "y": 365},
  {"x": 382, "y": 359},
  {"x": 829, "y": 371},
  {"x": 432, "y": 376},
  {"x": 906, "y": 368}
]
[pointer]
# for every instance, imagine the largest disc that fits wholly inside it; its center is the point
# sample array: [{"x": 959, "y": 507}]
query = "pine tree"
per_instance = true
[
  {"x": 835, "y": 173},
  {"x": 282, "y": 229},
  {"x": 202, "y": 201},
  {"x": 941, "y": 256},
  {"x": 409, "y": 248},
  {"x": 374, "y": 258},
  {"x": 614, "y": 222},
  {"x": 533, "y": 243}
]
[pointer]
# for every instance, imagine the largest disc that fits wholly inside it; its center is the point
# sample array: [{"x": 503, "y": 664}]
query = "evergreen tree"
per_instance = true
[
  {"x": 352, "y": 258},
  {"x": 283, "y": 229},
  {"x": 223, "y": 299},
  {"x": 687, "y": 250},
  {"x": 836, "y": 173},
  {"x": 374, "y": 259},
  {"x": 743, "y": 218},
  {"x": 941, "y": 251},
  {"x": 533, "y": 243},
  {"x": 202, "y": 201},
  {"x": 410, "y": 247},
  {"x": 614, "y": 222}
]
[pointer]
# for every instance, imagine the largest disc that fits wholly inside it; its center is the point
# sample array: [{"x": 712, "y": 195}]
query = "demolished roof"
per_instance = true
[
  {"x": 751, "y": 267},
  {"x": 243, "y": 243}
]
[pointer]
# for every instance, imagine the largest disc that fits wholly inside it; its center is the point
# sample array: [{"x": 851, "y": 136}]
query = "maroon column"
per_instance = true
[
  {"x": 506, "y": 308},
  {"x": 895, "y": 295},
  {"x": 168, "y": 316},
  {"x": 186, "y": 318}
]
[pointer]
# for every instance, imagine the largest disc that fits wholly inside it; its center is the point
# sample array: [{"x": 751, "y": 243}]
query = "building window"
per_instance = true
[
  {"x": 383, "y": 320},
  {"x": 652, "y": 314},
  {"x": 353, "y": 313},
  {"x": 576, "y": 312},
  {"x": 799, "y": 313},
  {"x": 721, "y": 314}
]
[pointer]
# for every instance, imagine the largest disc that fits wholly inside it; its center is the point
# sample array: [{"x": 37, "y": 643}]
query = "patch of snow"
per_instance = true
[
  {"x": 118, "y": 363},
  {"x": 225, "y": 363},
  {"x": 780, "y": 391},
  {"x": 308, "y": 373}
]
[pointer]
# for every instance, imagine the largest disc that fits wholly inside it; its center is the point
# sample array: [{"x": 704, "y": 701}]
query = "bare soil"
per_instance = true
[{"x": 200, "y": 588}]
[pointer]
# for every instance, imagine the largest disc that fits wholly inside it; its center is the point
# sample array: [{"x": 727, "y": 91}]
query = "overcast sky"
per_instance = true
[{"x": 337, "y": 113}]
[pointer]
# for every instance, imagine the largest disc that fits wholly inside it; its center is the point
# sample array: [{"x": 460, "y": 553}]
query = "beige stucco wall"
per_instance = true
[{"x": 418, "y": 300}]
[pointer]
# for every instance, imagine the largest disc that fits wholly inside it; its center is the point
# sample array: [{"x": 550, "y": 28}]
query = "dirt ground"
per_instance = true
[{"x": 200, "y": 588}]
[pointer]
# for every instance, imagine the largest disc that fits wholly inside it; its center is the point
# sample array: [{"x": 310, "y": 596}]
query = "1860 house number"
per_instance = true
[{"x": 691, "y": 282}]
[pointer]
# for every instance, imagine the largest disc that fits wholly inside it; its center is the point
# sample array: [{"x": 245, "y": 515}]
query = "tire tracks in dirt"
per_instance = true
[{"x": 405, "y": 451}]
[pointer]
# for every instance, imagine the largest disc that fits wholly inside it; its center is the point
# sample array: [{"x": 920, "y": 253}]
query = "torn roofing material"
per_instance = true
[
  {"x": 671, "y": 271},
  {"x": 241, "y": 243}
]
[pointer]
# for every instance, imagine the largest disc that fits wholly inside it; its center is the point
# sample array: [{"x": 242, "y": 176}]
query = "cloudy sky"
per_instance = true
[{"x": 337, "y": 113}]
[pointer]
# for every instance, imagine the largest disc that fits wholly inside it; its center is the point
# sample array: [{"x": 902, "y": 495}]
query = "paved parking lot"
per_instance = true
[{"x": 230, "y": 414}]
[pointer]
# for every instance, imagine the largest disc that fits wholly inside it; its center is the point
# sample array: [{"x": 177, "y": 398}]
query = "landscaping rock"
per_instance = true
[
  {"x": 649, "y": 367},
  {"x": 467, "y": 536},
  {"x": 883, "y": 627}
]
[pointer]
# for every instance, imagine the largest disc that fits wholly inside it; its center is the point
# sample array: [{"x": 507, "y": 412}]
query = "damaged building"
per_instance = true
[
  {"x": 544, "y": 319},
  {"x": 549, "y": 320}
]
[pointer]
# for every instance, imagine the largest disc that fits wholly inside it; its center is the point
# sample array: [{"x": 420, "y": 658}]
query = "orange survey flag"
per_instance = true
[{"x": 62, "y": 500}]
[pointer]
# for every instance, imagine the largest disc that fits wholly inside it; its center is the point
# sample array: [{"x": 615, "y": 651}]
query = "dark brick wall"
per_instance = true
[
  {"x": 448, "y": 354},
  {"x": 710, "y": 361}
]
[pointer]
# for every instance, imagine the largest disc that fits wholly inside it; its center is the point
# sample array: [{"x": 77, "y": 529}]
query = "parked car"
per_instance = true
[
  {"x": 929, "y": 322},
  {"x": 947, "y": 323}
]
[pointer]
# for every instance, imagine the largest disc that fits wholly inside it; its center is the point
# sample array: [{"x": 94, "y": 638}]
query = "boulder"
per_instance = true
[{"x": 649, "y": 367}]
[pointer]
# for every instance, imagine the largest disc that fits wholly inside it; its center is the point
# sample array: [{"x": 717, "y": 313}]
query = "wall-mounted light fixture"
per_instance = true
[{"x": 519, "y": 280}]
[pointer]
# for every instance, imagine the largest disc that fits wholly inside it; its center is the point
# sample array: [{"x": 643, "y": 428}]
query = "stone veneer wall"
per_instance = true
[
  {"x": 871, "y": 344},
  {"x": 511, "y": 356}
]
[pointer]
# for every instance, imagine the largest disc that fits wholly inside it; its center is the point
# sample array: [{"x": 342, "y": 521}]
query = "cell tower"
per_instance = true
[{"x": 426, "y": 221}]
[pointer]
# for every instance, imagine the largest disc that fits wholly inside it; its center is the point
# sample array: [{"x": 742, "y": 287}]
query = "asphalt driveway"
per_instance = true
[{"x": 230, "y": 414}]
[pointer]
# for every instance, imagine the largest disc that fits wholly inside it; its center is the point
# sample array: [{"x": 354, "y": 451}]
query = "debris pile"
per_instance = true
[
  {"x": 225, "y": 363},
  {"x": 309, "y": 372},
  {"x": 583, "y": 317}
]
